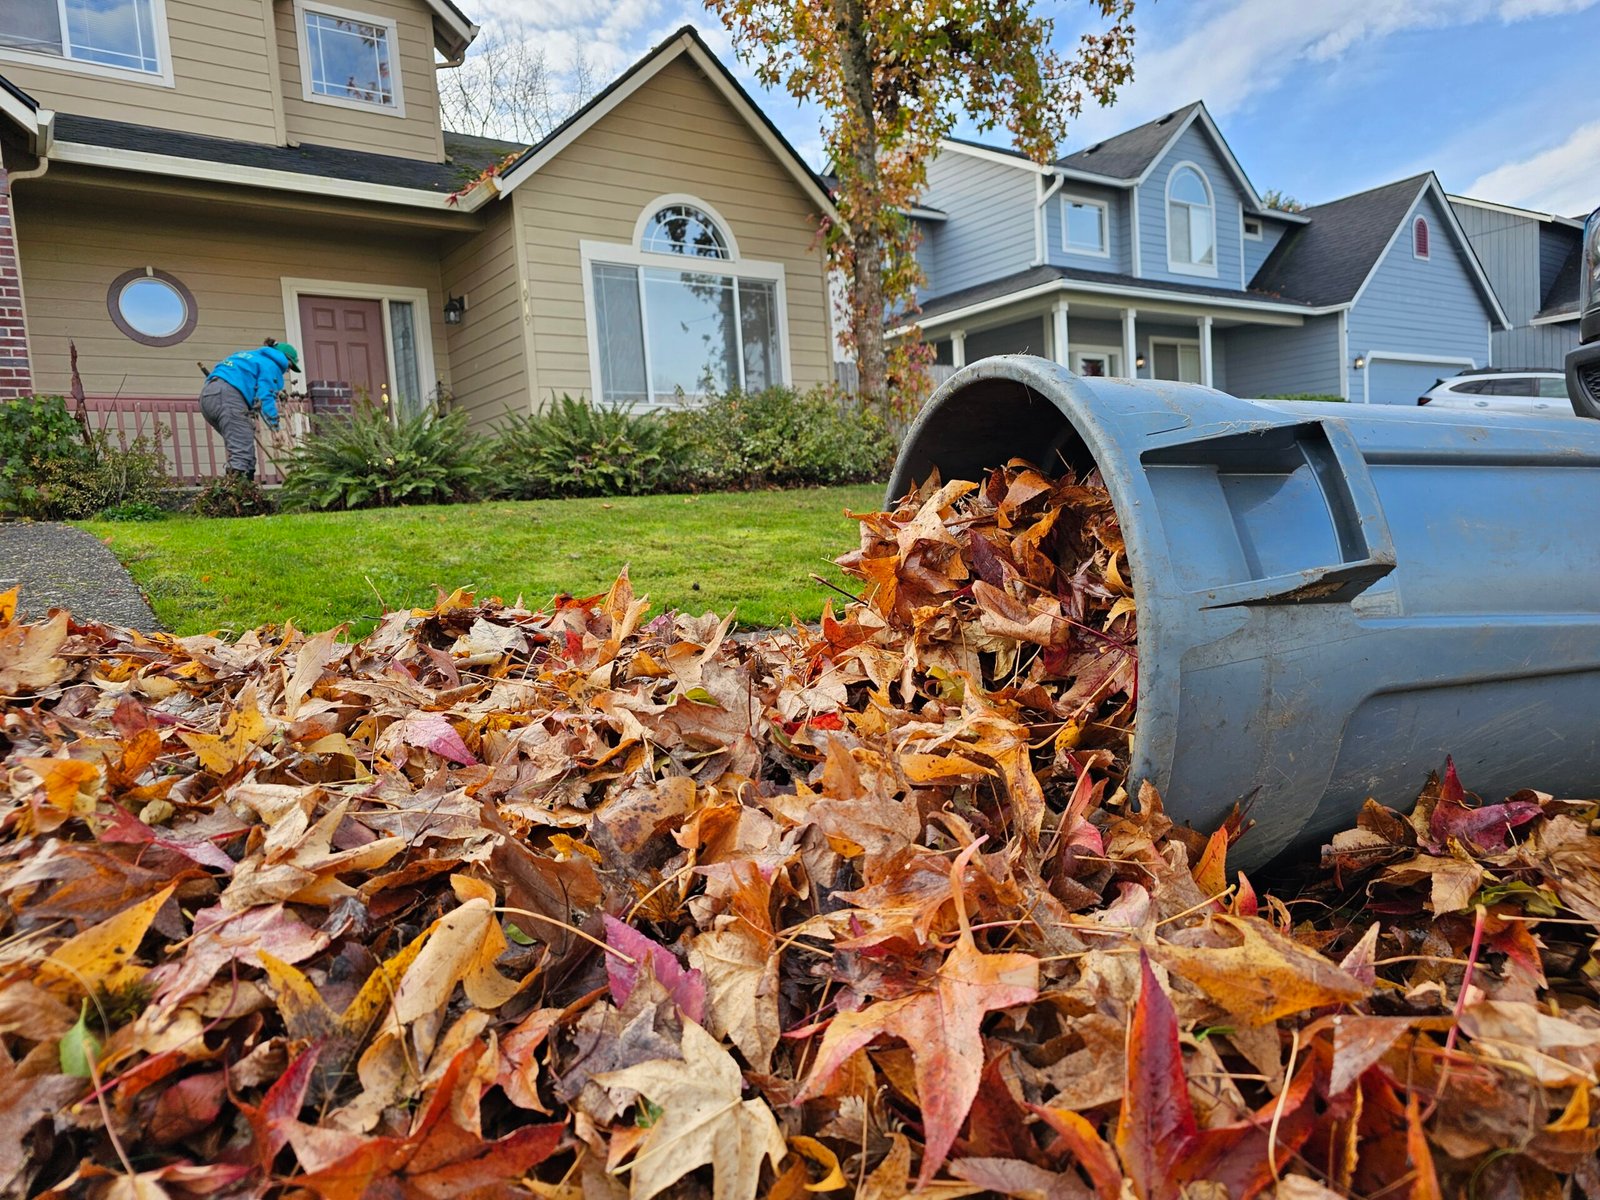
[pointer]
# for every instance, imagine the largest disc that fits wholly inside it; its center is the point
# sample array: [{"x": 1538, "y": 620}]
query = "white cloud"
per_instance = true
[
  {"x": 1230, "y": 54},
  {"x": 1561, "y": 179}
]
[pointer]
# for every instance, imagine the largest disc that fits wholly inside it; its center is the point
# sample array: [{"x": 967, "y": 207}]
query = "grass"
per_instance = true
[{"x": 749, "y": 552}]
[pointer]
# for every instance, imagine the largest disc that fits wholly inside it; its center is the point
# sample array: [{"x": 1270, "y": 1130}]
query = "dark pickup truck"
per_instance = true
[{"x": 1583, "y": 364}]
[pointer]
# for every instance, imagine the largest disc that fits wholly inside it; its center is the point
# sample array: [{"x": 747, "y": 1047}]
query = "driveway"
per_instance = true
[{"x": 60, "y": 566}]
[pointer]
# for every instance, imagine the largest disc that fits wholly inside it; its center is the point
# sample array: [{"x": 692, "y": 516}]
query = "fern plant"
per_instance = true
[
  {"x": 575, "y": 448},
  {"x": 369, "y": 461}
]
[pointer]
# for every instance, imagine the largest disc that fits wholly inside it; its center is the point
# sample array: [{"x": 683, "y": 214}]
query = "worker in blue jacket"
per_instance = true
[{"x": 236, "y": 388}]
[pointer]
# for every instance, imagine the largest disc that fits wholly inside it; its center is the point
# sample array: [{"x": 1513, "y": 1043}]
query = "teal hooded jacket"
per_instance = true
[{"x": 257, "y": 375}]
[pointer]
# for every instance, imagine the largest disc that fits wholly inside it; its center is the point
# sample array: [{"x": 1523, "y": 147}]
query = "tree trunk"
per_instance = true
[{"x": 863, "y": 204}]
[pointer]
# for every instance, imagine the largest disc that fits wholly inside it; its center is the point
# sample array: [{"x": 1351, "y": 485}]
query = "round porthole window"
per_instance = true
[{"x": 152, "y": 307}]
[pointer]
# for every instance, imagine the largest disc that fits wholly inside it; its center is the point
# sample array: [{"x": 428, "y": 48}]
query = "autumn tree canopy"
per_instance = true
[{"x": 895, "y": 76}]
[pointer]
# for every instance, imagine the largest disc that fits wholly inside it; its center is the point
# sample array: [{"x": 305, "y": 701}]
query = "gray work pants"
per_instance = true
[{"x": 225, "y": 410}]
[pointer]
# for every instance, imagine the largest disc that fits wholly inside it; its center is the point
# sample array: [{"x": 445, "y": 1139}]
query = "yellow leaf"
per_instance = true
[
  {"x": 8, "y": 606},
  {"x": 63, "y": 779},
  {"x": 304, "y": 1013},
  {"x": 101, "y": 957},
  {"x": 242, "y": 731},
  {"x": 379, "y": 989},
  {"x": 821, "y": 1155},
  {"x": 1211, "y": 872},
  {"x": 1575, "y": 1117},
  {"x": 933, "y": 768}
]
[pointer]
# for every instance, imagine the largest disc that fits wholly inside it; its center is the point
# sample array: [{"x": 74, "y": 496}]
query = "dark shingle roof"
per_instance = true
[
  {"x": 1562, "y": 296},
  {"x": 467, "y": 155},
  {"x": 1126, "y": 155},
  {"x": 1327, "y": 261},
  {"x": 1035, "y": 276},
  {"x": 29, "y": 101}
]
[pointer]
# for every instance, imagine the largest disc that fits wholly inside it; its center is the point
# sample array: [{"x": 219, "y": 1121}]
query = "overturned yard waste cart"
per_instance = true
[{"x": 1331, "y": 597}]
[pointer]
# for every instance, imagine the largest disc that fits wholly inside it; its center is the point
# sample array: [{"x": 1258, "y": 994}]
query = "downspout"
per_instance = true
[
  {"x": 47, "y": 137},
  {"x": 1039, "y": 238}
]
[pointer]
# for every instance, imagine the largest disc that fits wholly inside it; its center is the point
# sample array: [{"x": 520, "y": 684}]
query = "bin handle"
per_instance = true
[{"x": 1366, "y": 547}]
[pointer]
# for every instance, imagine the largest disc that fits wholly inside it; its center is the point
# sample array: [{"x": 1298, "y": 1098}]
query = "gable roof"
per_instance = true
[
  {"x": 22, "y": 110},
  {"x": 452, "y": 30},
  {"x": 1530, "y": 213},
  {"x": 686, "y": 42},
  {"x": 1329, "y": 261}
]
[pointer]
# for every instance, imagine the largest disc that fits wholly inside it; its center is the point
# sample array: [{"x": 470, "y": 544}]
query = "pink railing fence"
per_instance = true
[{"x": 193, "y": 450}]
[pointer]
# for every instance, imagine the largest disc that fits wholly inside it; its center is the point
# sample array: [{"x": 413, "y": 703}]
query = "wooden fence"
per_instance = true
[{"x": 194, "y": 451}]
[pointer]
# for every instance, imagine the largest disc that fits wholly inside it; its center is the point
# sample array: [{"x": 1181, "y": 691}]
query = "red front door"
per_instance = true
[{"x": 344, "y": 343}]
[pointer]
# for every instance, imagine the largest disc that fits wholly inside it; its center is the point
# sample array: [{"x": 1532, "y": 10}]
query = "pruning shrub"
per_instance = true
[
  {"x": 369, "y": 461},
  {"x": 232, "y": 496},
  {"x": 48, "y": 470},
  {"x": 778, "y": 437},
  {"x": 575, "y": 448}
]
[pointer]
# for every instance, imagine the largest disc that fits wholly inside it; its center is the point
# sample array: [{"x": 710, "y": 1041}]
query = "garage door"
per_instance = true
[{"x": 1391, "y": 381}]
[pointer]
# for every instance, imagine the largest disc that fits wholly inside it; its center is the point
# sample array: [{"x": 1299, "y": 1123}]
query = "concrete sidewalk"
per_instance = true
[{"x": 60, "y": 566}]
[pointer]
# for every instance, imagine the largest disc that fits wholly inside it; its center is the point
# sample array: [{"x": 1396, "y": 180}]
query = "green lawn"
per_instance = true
[{"x": 749, "y": 552}]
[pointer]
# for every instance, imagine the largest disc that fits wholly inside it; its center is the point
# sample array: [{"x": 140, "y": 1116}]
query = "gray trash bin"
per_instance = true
[{"x": 1332, "y": 597}]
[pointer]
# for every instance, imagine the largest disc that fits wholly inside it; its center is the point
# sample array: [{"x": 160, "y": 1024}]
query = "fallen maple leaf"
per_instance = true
[
  {"x": 703, "y": 1120},
  {"x": 28, "y": 655},
  {"x": 688, "y": 988}
]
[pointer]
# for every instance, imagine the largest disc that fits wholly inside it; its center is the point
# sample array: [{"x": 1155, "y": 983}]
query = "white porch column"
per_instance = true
[
  {"x": 1205, "y": 351},
  {"x": 958, "y": 347},
  {"x": 1130, "y": 344},
  {"x": 1058, "y": 335}
]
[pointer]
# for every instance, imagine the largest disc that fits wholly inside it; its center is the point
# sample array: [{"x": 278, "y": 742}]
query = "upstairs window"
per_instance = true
[
  {"x": 1419, "y": 238},
  {"x": 349, "y": 58},
  {"x": 1191, "y": 223},
  {"x": 684, "y": 229},
  {"x": 122, "y": 34},
  {"x": 1084, "y": 226}
]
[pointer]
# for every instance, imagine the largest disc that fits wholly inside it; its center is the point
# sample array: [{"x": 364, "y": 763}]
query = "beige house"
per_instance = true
[{"x": 184, "y": 177}]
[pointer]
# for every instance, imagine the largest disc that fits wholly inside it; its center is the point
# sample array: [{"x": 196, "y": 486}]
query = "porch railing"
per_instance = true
[{"x": 194, "y": 451}]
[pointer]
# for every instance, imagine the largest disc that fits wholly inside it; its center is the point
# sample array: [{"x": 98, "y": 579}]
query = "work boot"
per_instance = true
[{"x": 236, "y": 473}]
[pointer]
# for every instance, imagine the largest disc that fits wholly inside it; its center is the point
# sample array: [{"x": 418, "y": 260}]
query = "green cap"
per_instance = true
[{"x": 291, "y": 354}]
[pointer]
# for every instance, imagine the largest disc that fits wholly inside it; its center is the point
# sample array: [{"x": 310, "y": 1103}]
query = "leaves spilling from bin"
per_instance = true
[{"x": 574, "y": 902}]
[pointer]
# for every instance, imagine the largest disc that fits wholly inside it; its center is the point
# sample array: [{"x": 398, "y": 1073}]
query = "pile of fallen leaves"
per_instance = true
[{"x": 496, "y": 902}]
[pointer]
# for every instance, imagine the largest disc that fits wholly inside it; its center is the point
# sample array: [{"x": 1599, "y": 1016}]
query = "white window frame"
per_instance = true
[
  {"x": 1112, "y": 355},
  {"x": 1178, "y": 342},
  {"x": 422, "y": 307},
  {"x": 591, "y": 253},
  {"x": 1428, "y": 225},
  {"x": 65, "y": 62},
  {"x": 1067, "y": 201},
  {"x": 303, "y": 41},
  {"x": 1260, "y": 229},
  {"x": 1185, "y": 268}
]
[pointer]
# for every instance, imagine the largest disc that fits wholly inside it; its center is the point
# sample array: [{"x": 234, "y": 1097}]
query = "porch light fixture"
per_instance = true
[
  {"x": 1361, "y": 361},
  {"x": 1138, "y": 363},
  {"x": 454, "y": 309}
]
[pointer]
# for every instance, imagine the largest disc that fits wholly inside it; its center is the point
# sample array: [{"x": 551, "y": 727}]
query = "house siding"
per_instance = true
[
  {"x": 73, "y": 249},
  {"x": 489, "y": 369},
  {"x": 1418, "y": 307},
  {"x": 1120, "y": 260},
  {"x": 1194, "y": 146},
  {"x": 676, "y": 134},
  {"x": 1255, "y": 253},
  {"x": 415, "y": 135},
  {"x": 1521, "y": 256},
  {"x": 989, "y": 232},
  {"x": 1268, "y": 361},
  {"x": 222, "y": 82}
]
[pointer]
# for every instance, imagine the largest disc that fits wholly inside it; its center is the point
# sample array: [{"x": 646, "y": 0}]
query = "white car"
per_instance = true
[{"x": 1526, "y": 392}]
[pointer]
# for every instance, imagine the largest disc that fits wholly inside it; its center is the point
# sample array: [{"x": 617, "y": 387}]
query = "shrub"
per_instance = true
[
  {"x": 1314, "y": 397},
  {"x": 232, "y": 496},
  {"x": 48, "y": 470},
  {"x": 133, "y": 510},
  {"x": 575, "y": 448},
  {"x": 368, "y": 461},
  {"x": 779, "y": 437}
]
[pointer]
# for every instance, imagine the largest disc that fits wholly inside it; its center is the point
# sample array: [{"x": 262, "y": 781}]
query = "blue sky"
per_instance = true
[{"x": 1320, "y": 98}]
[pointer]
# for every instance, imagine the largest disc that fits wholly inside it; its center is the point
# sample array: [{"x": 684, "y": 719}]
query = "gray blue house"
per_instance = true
[
  {"x": 1151, "y": 255},
  {"x": 1532, "y": 259}
]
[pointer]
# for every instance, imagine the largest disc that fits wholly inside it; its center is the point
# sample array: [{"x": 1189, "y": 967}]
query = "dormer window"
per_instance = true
[
  {"x": 349, "y": 58},
  {"x": 1419, "y": 238},
  {"x": 1191, "y": 222},
  {"x": 123, "y": 35},
  {"x": 1083, "y": 226}
]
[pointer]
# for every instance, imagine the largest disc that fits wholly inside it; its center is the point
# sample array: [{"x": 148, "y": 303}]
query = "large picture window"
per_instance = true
[
  {"x": 666, "y": 331},
  {"x": 1191, "y": 223},
  {"x": 123, "y": 34},
  {"x": 349, "y": 58}
]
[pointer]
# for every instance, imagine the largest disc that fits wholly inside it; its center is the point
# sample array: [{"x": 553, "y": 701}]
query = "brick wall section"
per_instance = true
[{"x": 16, "y": 373}]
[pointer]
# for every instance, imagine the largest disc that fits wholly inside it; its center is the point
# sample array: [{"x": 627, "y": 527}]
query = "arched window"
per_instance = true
[
  {"x": 684, "y": 229},
  {"x": 1419, "y": 238},
  {"x": 1191, "y": 223}
]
